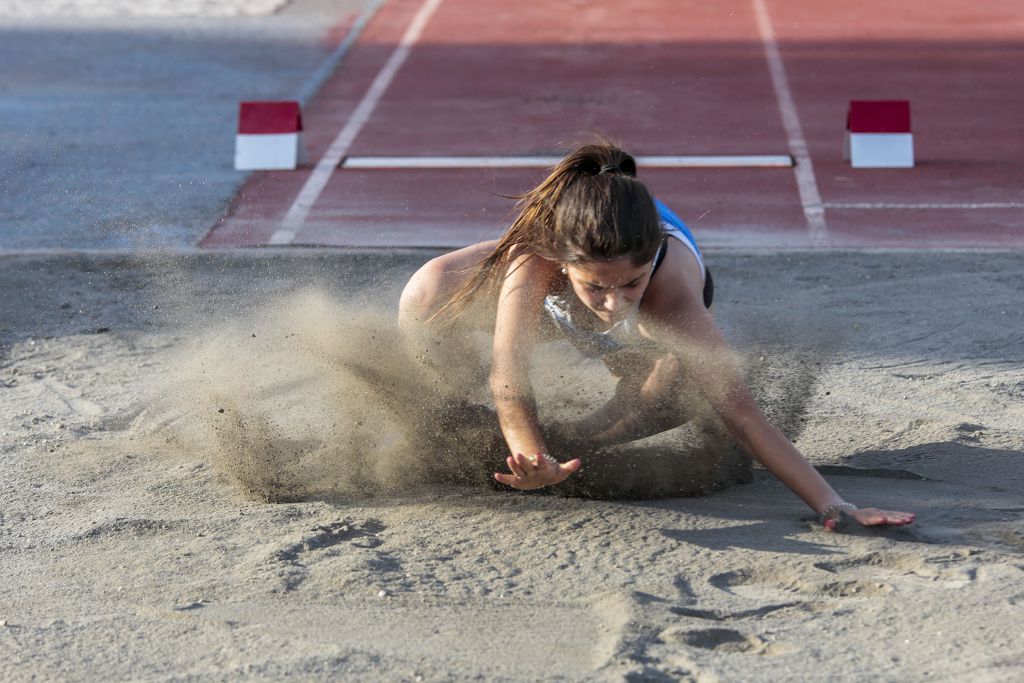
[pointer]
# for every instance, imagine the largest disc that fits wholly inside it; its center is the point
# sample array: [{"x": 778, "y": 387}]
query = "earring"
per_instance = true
[{"x": 564, "y": 271}]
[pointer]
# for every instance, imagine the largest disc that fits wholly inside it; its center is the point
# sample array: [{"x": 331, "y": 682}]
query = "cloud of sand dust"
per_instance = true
[
  {"x": 302, "y": 398},
  {"x": 308, "y": 398}
]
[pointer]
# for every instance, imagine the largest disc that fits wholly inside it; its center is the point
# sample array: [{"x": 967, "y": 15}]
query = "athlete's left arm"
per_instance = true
[{"x": 675, "y": 316}]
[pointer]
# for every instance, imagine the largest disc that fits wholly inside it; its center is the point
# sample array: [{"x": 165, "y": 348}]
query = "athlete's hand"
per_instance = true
[
  {"x": 875, "y": 517},
  {"x": 536, "y": 471}
]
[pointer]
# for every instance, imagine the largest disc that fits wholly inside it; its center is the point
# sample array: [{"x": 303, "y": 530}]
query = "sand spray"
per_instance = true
[{"x": 305, "y": 396}]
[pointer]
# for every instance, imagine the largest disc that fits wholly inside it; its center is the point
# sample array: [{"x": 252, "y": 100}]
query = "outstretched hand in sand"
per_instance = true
[
  {"x": 536, "y": 471},
  {"x": 876, "y": 517}
]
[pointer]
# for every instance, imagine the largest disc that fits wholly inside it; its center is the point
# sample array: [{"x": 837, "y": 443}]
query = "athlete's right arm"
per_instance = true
[{"x": 515, "y": 333}]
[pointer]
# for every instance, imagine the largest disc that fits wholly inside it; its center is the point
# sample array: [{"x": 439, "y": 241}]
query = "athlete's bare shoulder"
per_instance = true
[{"x": 678, "y": 283}]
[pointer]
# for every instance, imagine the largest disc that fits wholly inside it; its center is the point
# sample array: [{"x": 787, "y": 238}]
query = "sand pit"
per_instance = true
[{"x": 330, "y": 522}]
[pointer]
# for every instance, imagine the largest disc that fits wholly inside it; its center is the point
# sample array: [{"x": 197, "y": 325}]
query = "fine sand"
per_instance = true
[{"x": 224, "y": 467}]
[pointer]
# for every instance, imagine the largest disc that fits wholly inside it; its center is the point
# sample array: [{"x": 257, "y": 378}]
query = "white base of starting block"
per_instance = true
[
  {"x": 879, "y": 150},
  {"x": 268, "y": 151}
]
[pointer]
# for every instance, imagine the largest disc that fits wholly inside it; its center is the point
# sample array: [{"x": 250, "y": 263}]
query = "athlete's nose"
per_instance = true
[{"x": 614, "y": 302}]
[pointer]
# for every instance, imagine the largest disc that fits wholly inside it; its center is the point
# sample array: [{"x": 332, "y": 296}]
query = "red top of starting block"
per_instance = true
[
  {"x": 255, "y": 118},
  {"x": 878, "y": 116}
]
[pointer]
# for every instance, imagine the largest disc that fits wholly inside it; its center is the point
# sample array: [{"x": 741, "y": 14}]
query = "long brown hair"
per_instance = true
[{"x": 590, "y": 207}]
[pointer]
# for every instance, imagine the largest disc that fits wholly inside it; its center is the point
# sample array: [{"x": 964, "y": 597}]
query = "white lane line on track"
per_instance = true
[
  {"x": 317, "y": 180},
  {"x": 926, "y": 206},
  {"x": 330, "y": 63},
  {"x": 807, "y": 186},
  {"x": 706, "y": 161}
]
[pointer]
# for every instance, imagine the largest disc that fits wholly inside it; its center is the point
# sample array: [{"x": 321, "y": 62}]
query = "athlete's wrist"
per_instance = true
[{"x": 834, "y": 514}]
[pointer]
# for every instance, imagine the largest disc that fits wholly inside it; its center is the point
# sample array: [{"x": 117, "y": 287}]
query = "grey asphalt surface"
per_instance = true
[{"x": 119, "y": 133}]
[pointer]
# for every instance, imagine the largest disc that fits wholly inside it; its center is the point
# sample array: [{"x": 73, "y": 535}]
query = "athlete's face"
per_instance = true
[{"x": 611, "y": 289}]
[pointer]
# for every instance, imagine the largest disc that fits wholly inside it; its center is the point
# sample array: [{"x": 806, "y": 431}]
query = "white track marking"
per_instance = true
[
  {"x": 717, "y": 161},
  {"x": 937, "y": 205},
  {"x": 330, "y": 64},
  {"x": 810, "y": 198},
  {"x": 713, "y": 161},
  {"x": 317, "y": 180}
]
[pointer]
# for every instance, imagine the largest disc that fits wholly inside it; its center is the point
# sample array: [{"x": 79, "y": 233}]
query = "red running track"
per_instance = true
[{"x": 670, "y": 77}]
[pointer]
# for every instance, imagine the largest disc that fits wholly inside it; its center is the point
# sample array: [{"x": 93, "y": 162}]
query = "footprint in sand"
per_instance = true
[
  {"x": 866, "y": 576},
  {"x": 723, "y": 641},
  {"x": 761, "y": 584},
  {"x": 128, "y": 526},
  {"x": 943, "y": 572},
  {"x": 290, "y": 563}
]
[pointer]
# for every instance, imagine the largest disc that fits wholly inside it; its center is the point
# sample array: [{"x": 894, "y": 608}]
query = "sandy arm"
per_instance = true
[
  {"x": 682, "y": 324},
  {"x": 678, "y": 319},
  {"x": 515, "y": 333}
]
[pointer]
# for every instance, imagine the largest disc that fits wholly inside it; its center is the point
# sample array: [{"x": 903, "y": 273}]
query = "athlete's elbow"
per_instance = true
[
  {"x": 743, "y": 418},
  {"x": 758, "y": 438}
]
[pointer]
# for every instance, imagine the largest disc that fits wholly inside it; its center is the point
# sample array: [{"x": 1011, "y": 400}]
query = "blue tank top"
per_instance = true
[{"x": 674, "y": 227}]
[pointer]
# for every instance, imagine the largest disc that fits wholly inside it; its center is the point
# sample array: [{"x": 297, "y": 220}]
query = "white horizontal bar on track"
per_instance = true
[
  {"x": 924, "y": 205},
  {"x": 718, "y": 161},
  {"x": 426, "y": 162}
]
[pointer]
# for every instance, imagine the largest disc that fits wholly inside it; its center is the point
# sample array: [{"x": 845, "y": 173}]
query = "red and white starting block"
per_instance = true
[
  {"x": 878, "y": 134},
  {"x": 269, "y": 136}
]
